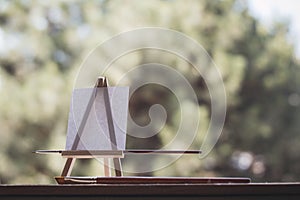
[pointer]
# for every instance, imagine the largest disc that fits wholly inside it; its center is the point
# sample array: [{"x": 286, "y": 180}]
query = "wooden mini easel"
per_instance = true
[{"x": 114, "y": 154}]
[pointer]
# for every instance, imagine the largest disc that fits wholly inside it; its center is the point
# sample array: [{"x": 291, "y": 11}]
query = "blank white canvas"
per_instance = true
[{"x": 95, "y": 134}]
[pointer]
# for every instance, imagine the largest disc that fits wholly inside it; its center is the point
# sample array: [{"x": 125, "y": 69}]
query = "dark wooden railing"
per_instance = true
[{"x": 255, "y": 191}]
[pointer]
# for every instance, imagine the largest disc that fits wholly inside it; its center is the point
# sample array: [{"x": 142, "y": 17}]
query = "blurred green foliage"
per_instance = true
[{"x": 42, "y": 44}]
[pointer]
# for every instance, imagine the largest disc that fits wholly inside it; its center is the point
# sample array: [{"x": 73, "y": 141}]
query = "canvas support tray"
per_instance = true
[{"x": 92, "y": 154}]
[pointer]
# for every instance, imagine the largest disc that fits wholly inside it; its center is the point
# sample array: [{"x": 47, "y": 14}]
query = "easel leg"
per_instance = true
[
  {"x": 106, "y": 167},
  {"x": 118, "y": 167},
  {"x": 68, "y": 167}
]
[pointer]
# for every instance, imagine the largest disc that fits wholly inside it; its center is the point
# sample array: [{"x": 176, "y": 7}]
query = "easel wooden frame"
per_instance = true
[{"x": 106, "y": 155}]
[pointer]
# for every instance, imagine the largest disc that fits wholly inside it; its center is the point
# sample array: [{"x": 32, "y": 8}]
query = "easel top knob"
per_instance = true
[{"x": 101, "y": 82}]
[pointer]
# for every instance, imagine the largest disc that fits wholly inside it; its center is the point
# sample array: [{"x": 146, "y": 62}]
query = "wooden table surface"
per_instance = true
[{"x": 153, "y": 191}]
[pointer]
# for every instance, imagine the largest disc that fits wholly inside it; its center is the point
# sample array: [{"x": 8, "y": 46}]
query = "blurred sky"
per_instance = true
[{"x": 270, "y": 11}]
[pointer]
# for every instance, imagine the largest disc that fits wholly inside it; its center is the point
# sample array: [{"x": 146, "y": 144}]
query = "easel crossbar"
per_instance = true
[{"x": 92, "y": 154}]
